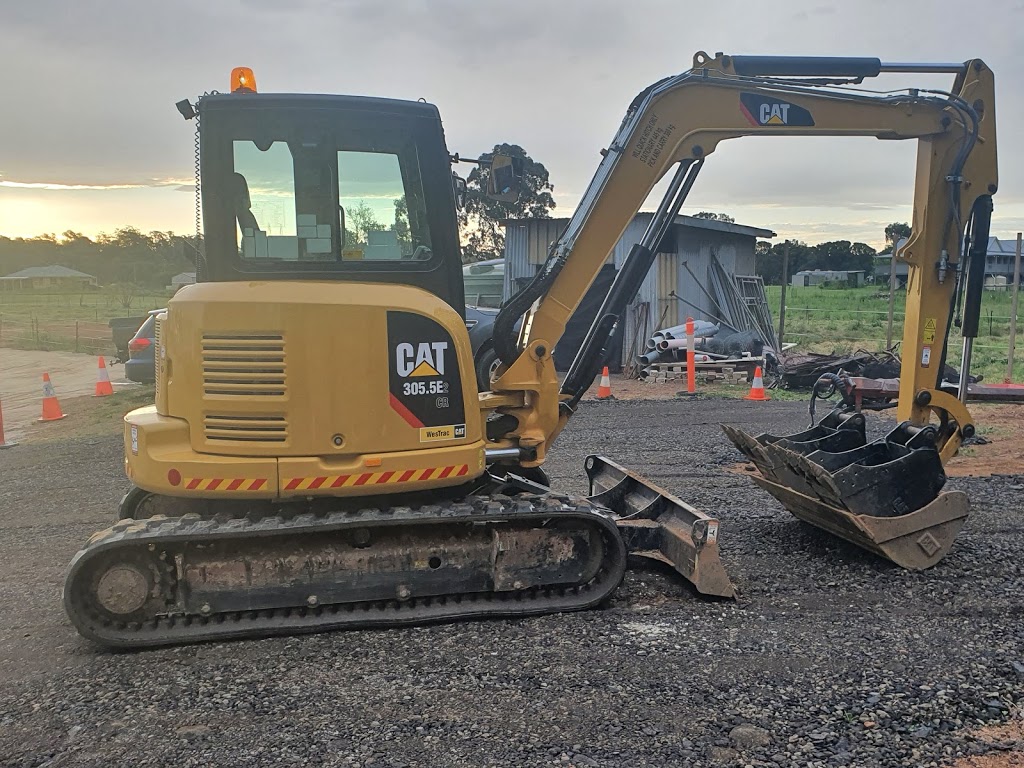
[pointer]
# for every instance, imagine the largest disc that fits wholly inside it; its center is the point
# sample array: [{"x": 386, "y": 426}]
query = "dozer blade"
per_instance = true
[
  {"x": 883, "y": 496},
  {"x": 657, "y": 525}
]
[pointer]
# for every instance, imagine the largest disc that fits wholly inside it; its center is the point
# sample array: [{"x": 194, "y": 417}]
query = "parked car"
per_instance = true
[
  {"x": 484, "y": 282},
  {"x": 122, "y": 330},
  {"x": 480, "y": 322},
  {"x": 141, "y": 363}
]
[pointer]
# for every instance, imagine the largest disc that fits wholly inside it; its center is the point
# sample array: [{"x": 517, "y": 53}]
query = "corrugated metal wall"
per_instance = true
[
  {"x": 526, "y": 248},
  {"x": 527, "y": 245}
]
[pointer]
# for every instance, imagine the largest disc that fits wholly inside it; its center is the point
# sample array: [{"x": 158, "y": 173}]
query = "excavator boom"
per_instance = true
[{"x": 883, "y": 496}]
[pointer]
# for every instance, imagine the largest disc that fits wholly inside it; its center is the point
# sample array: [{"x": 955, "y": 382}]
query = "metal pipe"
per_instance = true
[
  {"x": 704, "y": 290},
  {"x": 909, "y": 66},
  {"x": 675, "y": 295},
  {"x": 498, "y": 454},
  {"x": 667, "y": 344},
  {"x": 965, "y": 368}
]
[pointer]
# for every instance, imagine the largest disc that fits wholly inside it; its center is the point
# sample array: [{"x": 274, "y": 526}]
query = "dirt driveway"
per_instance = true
[{"x": 21, "y": 376}]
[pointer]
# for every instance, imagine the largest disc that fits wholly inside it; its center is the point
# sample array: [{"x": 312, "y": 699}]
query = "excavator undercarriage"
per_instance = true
[{"x": 173, "y": 571}]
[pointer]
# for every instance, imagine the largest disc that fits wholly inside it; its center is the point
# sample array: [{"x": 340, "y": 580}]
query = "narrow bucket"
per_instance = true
[{"x": 657, "y": 525}]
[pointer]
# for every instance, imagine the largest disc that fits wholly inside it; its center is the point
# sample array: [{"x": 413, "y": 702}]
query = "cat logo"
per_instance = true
[
  {"x": 424, "y": 359},
  {"x": 763, "y": 111},
  {"x": 774, "y": 114}
]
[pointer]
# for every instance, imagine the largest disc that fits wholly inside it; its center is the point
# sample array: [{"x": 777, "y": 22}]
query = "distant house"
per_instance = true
[
  {"x": 182, "y": 279},
  {"x": 999, "y": 264},
  {"x": 51, "y": 278},
  {"x": 810, "y": 277}
]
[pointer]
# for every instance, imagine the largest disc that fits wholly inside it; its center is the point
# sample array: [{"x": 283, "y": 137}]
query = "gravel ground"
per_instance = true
[{"x": 830, "y": 657}]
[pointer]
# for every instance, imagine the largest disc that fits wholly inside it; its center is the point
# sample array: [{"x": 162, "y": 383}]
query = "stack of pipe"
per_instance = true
[{"x": 665, "y": 342}]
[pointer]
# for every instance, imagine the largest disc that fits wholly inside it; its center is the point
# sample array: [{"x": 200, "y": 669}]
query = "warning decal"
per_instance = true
[
  {"x": 928, "y": 334},
  {"x": 424, "y": 379}
]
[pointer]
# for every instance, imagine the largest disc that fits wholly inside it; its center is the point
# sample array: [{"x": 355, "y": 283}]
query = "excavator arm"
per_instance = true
[{"x": 669, "y": 131}]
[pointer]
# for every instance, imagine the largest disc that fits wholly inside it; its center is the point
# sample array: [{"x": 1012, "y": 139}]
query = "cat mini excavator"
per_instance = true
[{"x": 318, "y": 455}]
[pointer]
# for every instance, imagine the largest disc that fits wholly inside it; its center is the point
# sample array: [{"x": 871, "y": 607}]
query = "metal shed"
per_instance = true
[{"x": 691, "y": 243}]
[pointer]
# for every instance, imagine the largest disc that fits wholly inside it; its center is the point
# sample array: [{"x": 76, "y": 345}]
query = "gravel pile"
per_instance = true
[{"x": 830, "y": 657}]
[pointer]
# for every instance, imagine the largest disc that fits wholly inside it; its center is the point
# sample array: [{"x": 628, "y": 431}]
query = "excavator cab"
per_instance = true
[{"x": 328, "y": 188}]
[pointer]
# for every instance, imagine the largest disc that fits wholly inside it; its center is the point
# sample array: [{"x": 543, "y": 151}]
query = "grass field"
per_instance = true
[
  {"x": 68, "y": 321},
  {"x": 844, "y": 320}
]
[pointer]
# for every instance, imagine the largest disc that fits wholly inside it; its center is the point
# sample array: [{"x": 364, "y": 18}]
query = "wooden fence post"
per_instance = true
[
  {"x": 892, "y": 297},
  {"x": 1013, "y": 312},
  {"x": 782, "y": 299}
]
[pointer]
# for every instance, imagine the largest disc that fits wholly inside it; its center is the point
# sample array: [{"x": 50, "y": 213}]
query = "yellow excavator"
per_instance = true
[{"x": 318, "y": 455}]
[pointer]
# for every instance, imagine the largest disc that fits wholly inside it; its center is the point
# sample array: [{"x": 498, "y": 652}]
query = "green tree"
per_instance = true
[
  {"x": 359, "y": 222},
  {"x": 715, "y": 217},
  {"x": 401, "y": 225},
  {"x": 768, "y": 259},
  {"x": 481, "y": 219},
  {"x": 840, "y": 255},
  {"x": 896, "y": 232}
]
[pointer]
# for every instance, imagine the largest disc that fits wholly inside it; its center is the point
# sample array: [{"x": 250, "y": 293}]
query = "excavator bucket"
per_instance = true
[
  {"x": 657, "y": 525},
  {"x": 884, "y": 496}
]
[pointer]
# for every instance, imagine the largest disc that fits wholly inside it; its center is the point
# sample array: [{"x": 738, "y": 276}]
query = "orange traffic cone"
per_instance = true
[
  {"x": 757, "y": 387},
  {"x": 3, "y": 440},
  {"x": 604, "y": 389},
  {"x": 103, "y": 385},
  {"x": 51, "y": 408}
]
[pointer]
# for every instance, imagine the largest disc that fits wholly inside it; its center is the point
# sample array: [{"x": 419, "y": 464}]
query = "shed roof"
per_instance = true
[
  {"x": 685, "y": 221},
  {"x": 53, "y": 270}
]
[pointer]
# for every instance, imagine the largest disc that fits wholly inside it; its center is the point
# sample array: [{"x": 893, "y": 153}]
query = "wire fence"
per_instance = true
[
  {"x": 839, "y": 328},
  {"x": 70, "y": 322},
  {"x": 70, "y": 336}
]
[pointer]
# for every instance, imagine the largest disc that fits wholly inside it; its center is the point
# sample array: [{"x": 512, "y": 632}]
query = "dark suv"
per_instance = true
[{"x": 141, "y": 363}]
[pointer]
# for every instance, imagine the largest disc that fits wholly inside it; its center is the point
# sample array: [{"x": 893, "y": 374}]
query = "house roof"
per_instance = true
[
  {"x": 686, "y": 221},
  {"x": 53, "y": 270},
  {"x": 996, "y": 247}
]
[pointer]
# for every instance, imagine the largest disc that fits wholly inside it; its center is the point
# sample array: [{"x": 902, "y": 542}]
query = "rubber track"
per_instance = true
[{"x": 157, "y": 532}]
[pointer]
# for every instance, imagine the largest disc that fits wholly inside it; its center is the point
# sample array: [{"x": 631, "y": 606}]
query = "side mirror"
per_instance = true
[
  {"x": 459, "y": 185},
  {"x": 505, "y": 179}
]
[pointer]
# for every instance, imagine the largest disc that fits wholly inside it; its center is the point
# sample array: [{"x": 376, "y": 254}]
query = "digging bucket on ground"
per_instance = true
[{"x": 884, "y": 496}]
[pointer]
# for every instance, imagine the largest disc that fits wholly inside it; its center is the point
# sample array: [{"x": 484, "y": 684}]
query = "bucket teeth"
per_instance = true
[
  {"x": 812, "y": 479},
  {"x": 752, "y": 449}
]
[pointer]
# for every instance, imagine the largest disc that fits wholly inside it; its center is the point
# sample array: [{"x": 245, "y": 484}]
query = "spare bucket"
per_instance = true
[{"x": 884, "y": 496}]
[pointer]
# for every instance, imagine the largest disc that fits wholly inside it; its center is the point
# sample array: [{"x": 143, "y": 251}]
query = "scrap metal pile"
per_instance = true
[{"x": 802, "y": 370}]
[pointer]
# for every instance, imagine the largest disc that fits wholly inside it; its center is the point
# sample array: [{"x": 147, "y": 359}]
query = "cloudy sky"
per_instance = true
[{"x": 90, "y": 139}]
